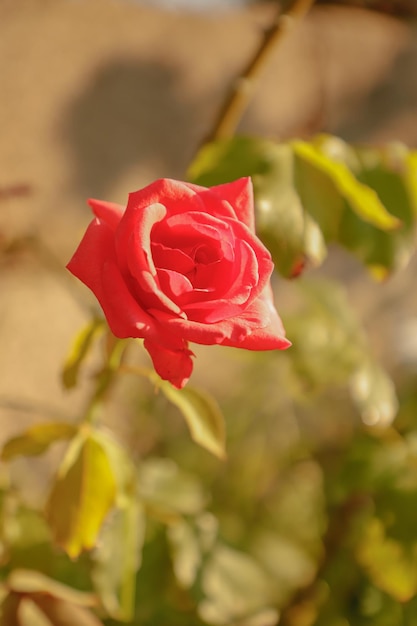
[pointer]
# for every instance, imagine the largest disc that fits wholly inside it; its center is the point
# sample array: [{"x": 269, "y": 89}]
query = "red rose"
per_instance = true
[{"x": 181, "y": 263}]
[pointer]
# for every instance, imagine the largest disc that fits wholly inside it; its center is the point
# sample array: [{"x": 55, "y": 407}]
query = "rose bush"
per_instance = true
[{"x": 181, "y": 263}]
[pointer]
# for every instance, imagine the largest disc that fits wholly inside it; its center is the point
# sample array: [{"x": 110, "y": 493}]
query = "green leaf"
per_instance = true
[
  {"x": 117, "y": 559},
  {"x": 236, "y": 589},
  {"x": 25, "y": 581},
  {"x": 79, "y": 351},
  {"x": 185, "y": 552},
  {"x": 189, "y": 542},
  {"x": 362, "y": 199},
  {"x": 328, "y": 342},
  {"x": 37, "y": 439},
  {"x": 123, "y": 467},
  {"x": 391, "y": 566},
  {"x": 41, "y": 610},
  {"x": 83, "y": 494},
  {"x": 374, "y": 394},
  {"x": 203, "y": 416},
  {"x": 169, "y": 491},
  {"x": 390, "y": 171}
]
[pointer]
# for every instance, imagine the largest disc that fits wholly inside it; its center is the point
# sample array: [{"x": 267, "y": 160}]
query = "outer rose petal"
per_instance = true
[
  {"x": 173, "y": 365},
  {"x": 240, "y": 195},
  {"x": 94, "y": 264},
  {"x": 95, "y": 249},
  {"x": 259, "y": 327},
  {"x": 268, "y": 336},
  {"x": 107, "y": 212},
  {"x": 177, "y": 197}
]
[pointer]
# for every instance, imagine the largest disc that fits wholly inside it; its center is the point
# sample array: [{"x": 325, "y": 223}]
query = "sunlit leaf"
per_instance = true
[
  {"x": 189, "y": 542},
  {"x": 165, "y": 488},
  {"x": 363, "y": 199},
  {"x": 286, "y": 560},
  {"x": 83, "y": 494},
  {"x": 123, "y": 467},
  {"x": 391, "y": 566},
  {"x": 390, "y": 171},
  {"x": 185, "y": 551},
  {"x": 236, "y": 588},
  {"x": 374, "y": 393},
  {"x": 328, "y": 342},
  {"x": 31, "y": 615},
  {"x": 25, "y": 581},
  {"x": 43, "y": 610},
  {"x": 202, "y": 415},
  {"x": 117, "y": 559},
  {"x": 36, "y": 600},
  {"x": 37, "y": 439},
  {"x": 79, "y": 351}
]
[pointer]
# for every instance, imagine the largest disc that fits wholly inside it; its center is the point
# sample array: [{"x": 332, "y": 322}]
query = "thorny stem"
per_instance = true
[{"x": 243, "y": 88}]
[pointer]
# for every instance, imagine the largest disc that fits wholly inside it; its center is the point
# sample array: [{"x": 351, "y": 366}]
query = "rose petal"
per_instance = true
[
  {"x": 170, "y": 258},
  {"x": 178, "y": 197},
  {"x": 137, "y": 261},
  {"x": 174, "y": 284},
  {"x": 212, "y": 312},
  {"x": 94, "y": 263},
  {"x": 269, "y": 335},
  {"x": 175, "y": 366},
  {"x": 263, "y": 256},
  {"x": 95, "y": 249},
  {"x": 133, "y": 240},
  {"x": 259, "y": 327},
  {"x": 239, "y": 193},
  {"x": 107, "y": 211},
  {"x": 192, "y": 229},
  {"x": 124, "y": 314}
]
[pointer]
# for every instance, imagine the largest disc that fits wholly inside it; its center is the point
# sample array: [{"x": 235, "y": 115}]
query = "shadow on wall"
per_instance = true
[{"x": 131, "y": 114}]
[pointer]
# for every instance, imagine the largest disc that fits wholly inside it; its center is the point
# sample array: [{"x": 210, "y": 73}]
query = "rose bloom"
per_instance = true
[{"x": 181, "y": 263}]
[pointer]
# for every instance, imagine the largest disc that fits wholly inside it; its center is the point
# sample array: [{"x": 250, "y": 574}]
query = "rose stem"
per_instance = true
[{"x": 244, "y": 86}]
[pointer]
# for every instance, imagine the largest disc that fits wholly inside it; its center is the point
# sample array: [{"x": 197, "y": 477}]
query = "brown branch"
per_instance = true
[{"x": 244, "y": 87}]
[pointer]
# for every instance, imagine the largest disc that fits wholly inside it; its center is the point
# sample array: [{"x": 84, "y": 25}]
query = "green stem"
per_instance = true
[
  {"x": 244, "y": 87},
  {"x": 116, "y": 349}
]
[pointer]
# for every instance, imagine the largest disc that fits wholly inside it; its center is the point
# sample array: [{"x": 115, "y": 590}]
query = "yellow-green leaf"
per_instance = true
[
  {"x": 25, "y": 581},
  {"x": 117, "y": 559},
  {"x": 168, "y": 491},
  {"x": 391, "y": 566},
  {"x": 203, "y": 416},
  {"x": 83, "y": 494},
  {"x": 43, "y": 610},
  {"x": 79, "y": 350},
  {"x": 374, "y": 394},
  {"x": 236, "y": 587},
  {"x": 36, "y": 439},
  {"x": 363, "y": 200}
]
